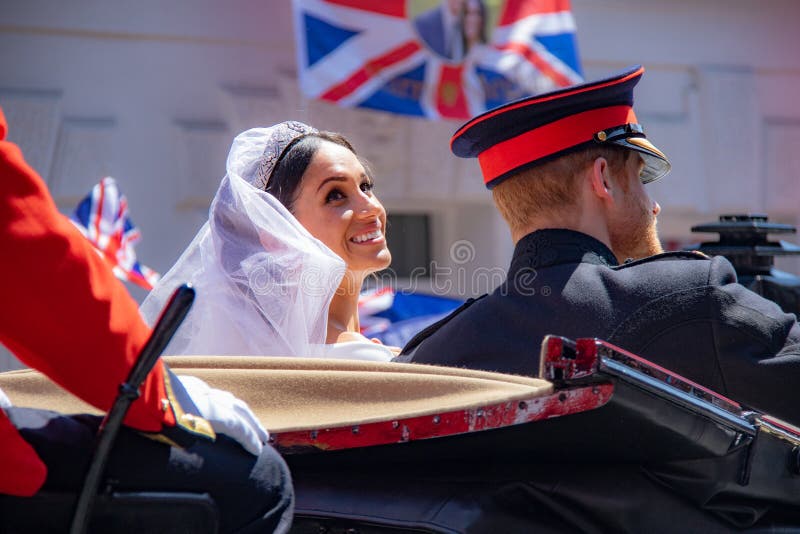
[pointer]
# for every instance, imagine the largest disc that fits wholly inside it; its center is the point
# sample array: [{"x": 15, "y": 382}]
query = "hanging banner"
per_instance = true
[{"x": 450, "y": 59}]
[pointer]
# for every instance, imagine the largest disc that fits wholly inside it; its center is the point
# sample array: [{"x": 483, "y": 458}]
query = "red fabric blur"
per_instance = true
[{"x": 64, "y": 313}]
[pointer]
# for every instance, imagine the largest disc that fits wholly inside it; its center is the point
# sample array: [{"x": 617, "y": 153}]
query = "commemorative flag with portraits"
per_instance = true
[
  {"x": 102, "y": 217},
  {"x": 450, "y": 59}
]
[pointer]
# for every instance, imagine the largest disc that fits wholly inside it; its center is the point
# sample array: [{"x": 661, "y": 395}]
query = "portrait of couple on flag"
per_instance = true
[
  {"x": 450, "y": 59},
  {"x": 453, "y": 27}
]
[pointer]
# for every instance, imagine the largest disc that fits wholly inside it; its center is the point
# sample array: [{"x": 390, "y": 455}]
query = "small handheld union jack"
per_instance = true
[{"x": 103, "y": 218}]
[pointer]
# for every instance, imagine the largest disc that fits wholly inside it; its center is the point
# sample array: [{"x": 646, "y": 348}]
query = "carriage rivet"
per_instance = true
[
  {"x": 523, "y": 405},
  {"x": 436, "y": 419},
  {"x": 355, "y": 430},
  {"x": 313, "y": 434},
  {"x": 395, "y": 424}
]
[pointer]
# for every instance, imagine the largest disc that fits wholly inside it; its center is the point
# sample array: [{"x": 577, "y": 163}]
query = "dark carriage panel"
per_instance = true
[{"x": 661, "y": 454}]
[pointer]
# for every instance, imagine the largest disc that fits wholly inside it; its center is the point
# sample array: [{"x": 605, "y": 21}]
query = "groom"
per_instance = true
[{"x": 568, "y": 172}]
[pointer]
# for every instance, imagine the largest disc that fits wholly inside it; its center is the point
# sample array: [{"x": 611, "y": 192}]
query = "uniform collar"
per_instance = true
[{"x": 545, "y": 248}]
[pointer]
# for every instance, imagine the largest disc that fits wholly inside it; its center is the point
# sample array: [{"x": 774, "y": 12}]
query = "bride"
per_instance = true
[{"x": 293, "y": 231}]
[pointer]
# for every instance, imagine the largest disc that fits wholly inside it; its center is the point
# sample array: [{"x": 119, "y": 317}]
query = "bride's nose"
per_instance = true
[{"x": 368, "y": 205}]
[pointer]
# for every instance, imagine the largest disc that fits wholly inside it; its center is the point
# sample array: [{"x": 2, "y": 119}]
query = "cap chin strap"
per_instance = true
[{"x": 616, "y": 133}]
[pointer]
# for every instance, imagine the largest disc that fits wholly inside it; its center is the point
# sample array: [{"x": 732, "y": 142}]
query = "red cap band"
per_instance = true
[{"x": 550, "y": 139}]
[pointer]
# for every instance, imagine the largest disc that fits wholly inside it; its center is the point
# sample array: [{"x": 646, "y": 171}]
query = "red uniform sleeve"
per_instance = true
[{"x": 62, "y": 310}]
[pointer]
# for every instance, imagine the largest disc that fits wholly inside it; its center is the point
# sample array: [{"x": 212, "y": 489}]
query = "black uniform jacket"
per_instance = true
[{"x": 681, "y": 310}]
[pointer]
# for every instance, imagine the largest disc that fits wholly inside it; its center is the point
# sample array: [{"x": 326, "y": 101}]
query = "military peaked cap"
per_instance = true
[{"x": 541, "y": 128}]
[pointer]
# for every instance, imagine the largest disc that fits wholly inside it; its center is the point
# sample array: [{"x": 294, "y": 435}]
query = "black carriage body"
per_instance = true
[{"x": 656, "y": 453}]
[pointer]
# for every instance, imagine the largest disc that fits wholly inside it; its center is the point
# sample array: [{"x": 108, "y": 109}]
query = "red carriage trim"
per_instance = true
[{"x": 557, "y": 404}]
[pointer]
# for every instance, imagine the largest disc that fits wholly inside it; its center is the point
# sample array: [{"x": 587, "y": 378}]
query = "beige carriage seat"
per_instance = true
[{"x": 290, "y": 394}]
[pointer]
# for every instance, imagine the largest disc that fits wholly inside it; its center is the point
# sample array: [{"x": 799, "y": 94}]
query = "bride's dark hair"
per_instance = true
[{"x": 293, "y": 162}]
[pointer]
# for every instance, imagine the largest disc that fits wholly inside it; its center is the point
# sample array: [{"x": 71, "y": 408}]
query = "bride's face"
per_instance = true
[{"x": 336, "y": 204}]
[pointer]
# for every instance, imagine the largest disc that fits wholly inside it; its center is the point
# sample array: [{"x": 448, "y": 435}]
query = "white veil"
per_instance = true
[{"x": 263, "y": 282}]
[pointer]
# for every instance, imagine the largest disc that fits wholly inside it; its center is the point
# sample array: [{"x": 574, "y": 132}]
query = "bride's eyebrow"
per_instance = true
[{"x": 331, "y": 179}]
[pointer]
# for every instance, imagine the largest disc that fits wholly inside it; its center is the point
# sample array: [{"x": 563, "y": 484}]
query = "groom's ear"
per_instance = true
[{"x": 599, "y": 177}]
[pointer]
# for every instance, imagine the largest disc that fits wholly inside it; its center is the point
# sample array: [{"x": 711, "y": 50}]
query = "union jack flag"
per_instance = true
[
  {"x": 395, "y": 317},
  {"x": 103, "y": 218},
  {"x": 449, "y": 59}
]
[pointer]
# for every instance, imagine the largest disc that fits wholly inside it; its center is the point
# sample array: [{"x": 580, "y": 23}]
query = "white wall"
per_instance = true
[
  {"x": 152, "y": 93},
  {"x": 718, "y": 97}
]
